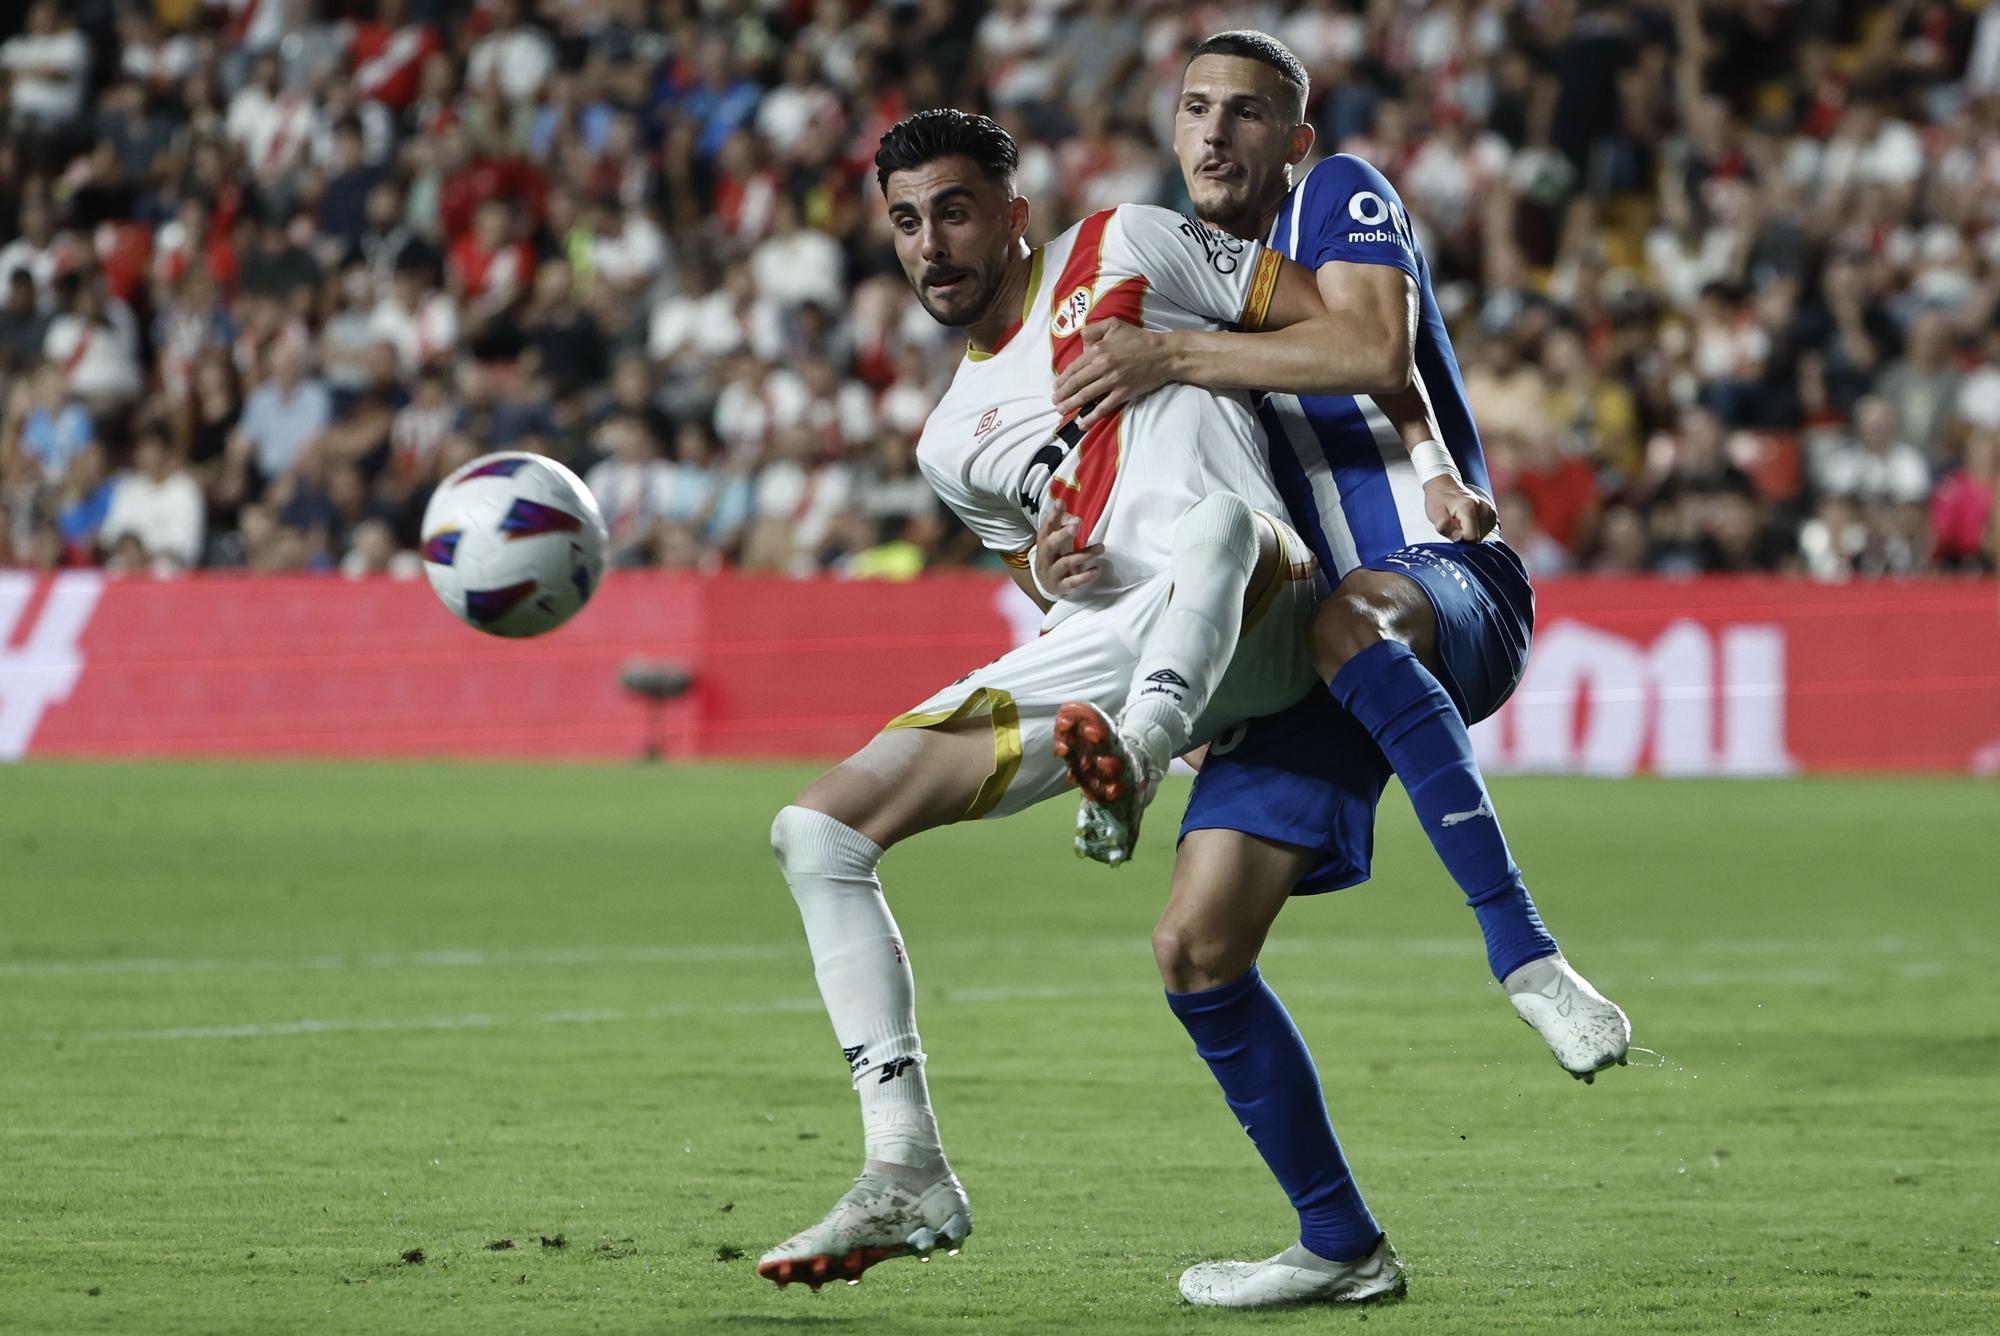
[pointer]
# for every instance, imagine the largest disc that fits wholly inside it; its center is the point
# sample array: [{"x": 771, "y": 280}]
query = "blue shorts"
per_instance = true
[
  {"x": 1311, "y": 776},
  {"x": 1485, "y": 615}
]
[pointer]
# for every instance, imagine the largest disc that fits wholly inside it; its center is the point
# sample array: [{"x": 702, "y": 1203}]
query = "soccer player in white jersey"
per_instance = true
[
  {"x": 1196, "y": 575},
  {"x": 1423, "y": 636}
]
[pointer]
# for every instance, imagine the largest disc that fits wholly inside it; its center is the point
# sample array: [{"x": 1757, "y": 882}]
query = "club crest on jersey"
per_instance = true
[{"x": 1071, "y": 314}]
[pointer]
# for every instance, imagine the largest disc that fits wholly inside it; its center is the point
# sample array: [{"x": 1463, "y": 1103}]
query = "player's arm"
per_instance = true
[
  {"x": 1357, "y": 305},
  {"x": 997, "y": 525},
  {"x": 1025, "y": 578},
  {"x": 1347, "y": 329}
]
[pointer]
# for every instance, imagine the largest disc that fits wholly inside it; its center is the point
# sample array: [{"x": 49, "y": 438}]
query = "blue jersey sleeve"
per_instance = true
[{"x": 1348, "y": 211}]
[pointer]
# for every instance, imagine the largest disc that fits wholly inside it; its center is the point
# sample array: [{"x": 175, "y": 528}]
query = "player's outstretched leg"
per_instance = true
[
  {"x": 1267, "y": 1076},
  {"x": 906, "y": 1201},
  {"x": 1584, "y": 1029},
  {"x": 1228, "y": 888},
  {"x": 1365, "y": 643},
  {"x": 1216, "y": 550}
]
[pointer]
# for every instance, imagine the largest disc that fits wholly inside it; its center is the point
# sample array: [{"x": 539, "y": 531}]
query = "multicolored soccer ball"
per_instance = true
[{"x": 513, "y": 544}]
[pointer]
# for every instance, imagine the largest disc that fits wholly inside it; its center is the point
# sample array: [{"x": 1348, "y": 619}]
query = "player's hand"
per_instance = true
[
  {"x": 1062, "y": 567},
  {"x": 1456, "y": 511},
  {"x": 1119, "y": 363}
]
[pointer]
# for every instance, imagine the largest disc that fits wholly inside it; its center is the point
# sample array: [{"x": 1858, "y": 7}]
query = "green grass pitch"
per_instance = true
[{"x": 268, "y": 1029}]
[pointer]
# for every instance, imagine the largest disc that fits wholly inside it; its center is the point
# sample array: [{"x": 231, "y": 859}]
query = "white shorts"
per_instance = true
[{"x": 1091, "y": 654}]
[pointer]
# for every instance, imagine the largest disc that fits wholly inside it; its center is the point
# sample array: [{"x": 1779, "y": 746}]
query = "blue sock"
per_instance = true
[
  {"x": 1413, "y": 720},
  {"x": 1267, "y": 1076}
]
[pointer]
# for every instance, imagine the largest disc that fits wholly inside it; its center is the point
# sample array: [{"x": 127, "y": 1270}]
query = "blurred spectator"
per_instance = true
[
  {"x": 631, "y": 487},
  {"x": 155, "y": 518},
  {"x": 413, "y": 316},
  {"x": 1962, "y": 510},
  {"x": 95, "y": 342},
  {"x": 283, "y": 415},
  {"x": 488, "y": 269},
  {"x": 795, "y": 264},
  {"x": 797, "y": 499},
  {"x": 705, "y": 502},
  {"x": 45, "y": 430},
  {"x": 22, "y": 325},
  {"x": 82, "y": 503},
  {"x": 1876, "y": 467},
  {"x": 1621, "y": 543},
  {"x": 351, "y": 179},
  {"x": 1921, "y": 386},
  {"x": 515, "y": 55},
  {"x": 273, "y": 126},
  {"x": 567, "y": 344},
  {"x": 1873, "y": 488},
  {"x": 48, "y": 66},
  {"x": 373, "y": 551},
  {"x": 40, "y": 249},
  {"x": 280, "y": 265},
  {"x": 1541, "y": 554}
]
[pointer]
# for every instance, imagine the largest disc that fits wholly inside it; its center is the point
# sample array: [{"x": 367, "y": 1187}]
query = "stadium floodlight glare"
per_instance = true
[{"x": 656, "y": 681}]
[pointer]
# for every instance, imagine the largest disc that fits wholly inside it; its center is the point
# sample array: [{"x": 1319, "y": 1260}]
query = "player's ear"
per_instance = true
[
  {"x": 1017, "y": 220},
  {"x": 1301, "y": 144}
]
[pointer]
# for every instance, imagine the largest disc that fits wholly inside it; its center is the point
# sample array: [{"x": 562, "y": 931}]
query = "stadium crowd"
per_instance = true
[{"x": 1724, "y": 275}]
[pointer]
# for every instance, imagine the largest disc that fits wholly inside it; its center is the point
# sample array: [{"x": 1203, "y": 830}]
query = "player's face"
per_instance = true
[
  {"x": 954, "y": 232},
  {"x": 1235, "y": 137}
]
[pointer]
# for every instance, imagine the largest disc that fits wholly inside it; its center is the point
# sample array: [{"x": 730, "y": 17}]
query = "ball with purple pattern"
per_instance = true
[{"x": 514, "y": 544}]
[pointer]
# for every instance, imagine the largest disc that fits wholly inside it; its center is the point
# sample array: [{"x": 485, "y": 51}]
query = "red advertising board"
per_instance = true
[{"x": 1709, "y": 677}]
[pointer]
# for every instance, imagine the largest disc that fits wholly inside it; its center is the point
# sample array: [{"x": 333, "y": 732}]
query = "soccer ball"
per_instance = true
[{"x": 513, "y": 544}]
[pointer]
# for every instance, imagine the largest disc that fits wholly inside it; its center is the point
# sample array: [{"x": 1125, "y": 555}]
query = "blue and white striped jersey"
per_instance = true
[{"x": 1342, "y": 469}]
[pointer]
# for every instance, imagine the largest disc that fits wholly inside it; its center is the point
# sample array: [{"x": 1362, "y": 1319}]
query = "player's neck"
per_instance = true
[
  {"x": 1250, "y": 226},
  {"x": 1006, "y": 309}
]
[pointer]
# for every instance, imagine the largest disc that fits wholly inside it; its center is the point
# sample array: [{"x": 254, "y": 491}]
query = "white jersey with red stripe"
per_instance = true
[{"x": 996, "y": 448}]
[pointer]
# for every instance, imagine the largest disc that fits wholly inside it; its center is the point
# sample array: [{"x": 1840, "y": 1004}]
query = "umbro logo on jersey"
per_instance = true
[
  {"x": 987, "y": 422},
  {"x": 1169, "y": 677}
]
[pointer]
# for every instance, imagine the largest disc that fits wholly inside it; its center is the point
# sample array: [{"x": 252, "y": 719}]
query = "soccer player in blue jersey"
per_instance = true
[{"x": 1426, "y": 632}]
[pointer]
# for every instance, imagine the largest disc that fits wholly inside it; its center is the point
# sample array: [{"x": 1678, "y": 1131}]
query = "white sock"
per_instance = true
[
  {"x": 1189, "y": 648},
  {"x": 864, "y": 978}
]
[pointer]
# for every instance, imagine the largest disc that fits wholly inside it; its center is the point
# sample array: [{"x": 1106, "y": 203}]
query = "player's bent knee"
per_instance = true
[
  {"x": 1191, "y": 960},
  {"x": 1219, "y": 520},
  {"x": 791, "y": 835},
  {"x": 1342, "y": 626}
]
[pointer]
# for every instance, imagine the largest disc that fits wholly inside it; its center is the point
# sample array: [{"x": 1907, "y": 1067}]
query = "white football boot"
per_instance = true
[
  {"x": 1295, "y": 1276},
  {"x": 1582, "y": 1027},
  {"x": 1116, "y": 779},
  {"x": 889, "y": 1212}
]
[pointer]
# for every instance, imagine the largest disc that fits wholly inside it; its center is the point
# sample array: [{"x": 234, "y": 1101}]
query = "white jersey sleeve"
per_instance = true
[
  {"x": 1205, "y": 272},
  {"x": 1002, "y": 529}
]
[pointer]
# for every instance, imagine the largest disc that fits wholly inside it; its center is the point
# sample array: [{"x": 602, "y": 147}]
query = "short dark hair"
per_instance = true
[
  {"x": 1265, "y": 50},
  {"x": 947, "y": 133}
]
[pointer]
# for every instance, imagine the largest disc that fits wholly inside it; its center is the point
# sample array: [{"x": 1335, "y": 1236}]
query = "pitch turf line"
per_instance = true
[
  {"x": 448, "y": 958},
  {"x": 1792, "y": 978}
]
